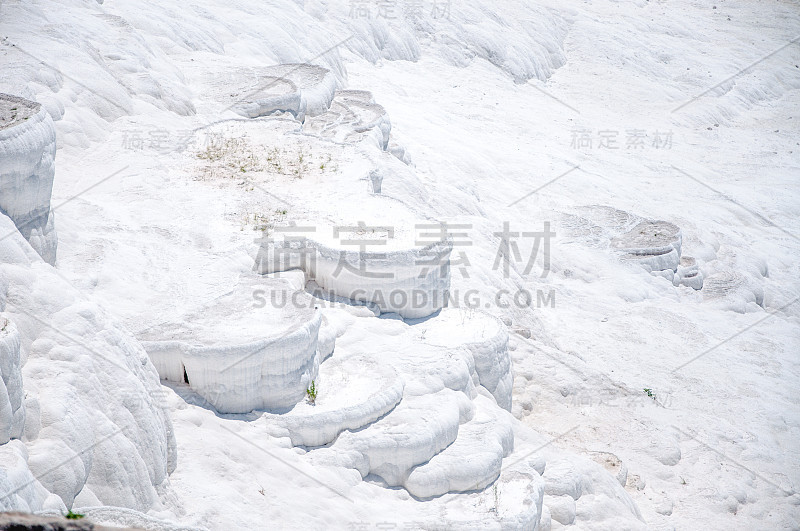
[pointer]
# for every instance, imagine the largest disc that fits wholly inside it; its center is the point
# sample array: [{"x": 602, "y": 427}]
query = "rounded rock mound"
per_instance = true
[
  {"x": 352, "y": 117},
  {"x": 297, "y": 89},
  {"x": 242, "y": 351},
  {"x": 656, "y": 245}
]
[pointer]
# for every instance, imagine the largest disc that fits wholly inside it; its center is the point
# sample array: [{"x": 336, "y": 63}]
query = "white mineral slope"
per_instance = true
[
  {"x": 11, "y": 392},
  {"x": 447, "y": 434},
  {"x": 722, "y": 455},
  {"x": 317, "y": 495},
  {"x": 616, "y": 329},
  {"x": 27, "y": 168},
  {"x": 92, "y": 426}
]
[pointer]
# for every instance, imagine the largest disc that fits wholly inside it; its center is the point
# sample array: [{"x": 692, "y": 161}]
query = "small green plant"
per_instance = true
[
  {"x": 73, "y": 516},
  {"x": 649, "y": 392},
  {"x": 5, "y": 325},
  {"x": 311, "y": 393}
]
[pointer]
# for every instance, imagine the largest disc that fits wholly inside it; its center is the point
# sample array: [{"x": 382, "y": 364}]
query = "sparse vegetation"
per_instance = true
[
  {"x": 263, "y": 222},
  {"x": 228, "y": 157},
  {"x": 649, "y": 392},
  {"x": 311, "y": 393},
  {"x": 73, "y": 516}
]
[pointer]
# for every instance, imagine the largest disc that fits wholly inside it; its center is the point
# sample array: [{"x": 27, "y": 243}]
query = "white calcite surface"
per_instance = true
[
  {"x": 688, "y": 273},
  {"x": 241, "y": 353},
  {"x": 412, "y": 283},
  {"x": 485, "y": 101},
  {"x": 732, "y": 290},
  {"x": 296, "y": 89},
  {"x": 656, "y": 245},
  {"x": 473, "y": 461},
  {"x": 27, "y": 168},
  {"x": 12, "y": 410},
  {"x": 22, "y": 490},
  {"x": 353, "y": 116},
  {"x": 355, "y": 392},
  {"x": 93, "y": 421},
  {"x": 414, "y": 415},
  {"x": 486, "y": 338},
  {"x": 418, "y": 429}
]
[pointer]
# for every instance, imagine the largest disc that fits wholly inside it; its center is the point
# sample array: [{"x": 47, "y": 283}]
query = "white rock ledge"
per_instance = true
[
  {"x": 353, "y": 116},
  {"x": 27, "y": 169},
  {"x": 417, "y": 429},
  {"x": 486, "y": 338},
  {"x": 355, "y": 391},
  {"x": 413, "y": 283},
  {"x": 473, "y": 461},
  {"x": 689, "y": 273},
  {"x": 273, "y": 373},
  {"x": 12, "y": 410},
  {"x": 240, "y": 357},
  {"x": 298, "y": 89},
  {"x": 656, "y": 245}
]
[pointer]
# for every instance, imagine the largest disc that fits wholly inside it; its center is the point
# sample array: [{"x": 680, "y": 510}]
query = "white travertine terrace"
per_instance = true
[
  {"x": 12, "y": 410},
  {"x": 352, "y": 117},
  {"x": 89, "y": 391},
  {"x": 412, "y": 283},
  {"x": 242, "y": 354},
  {"x": 298, "y": 89},
  {"x": 27, "y": 169},
  {"x": 654, "y": 244}
]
